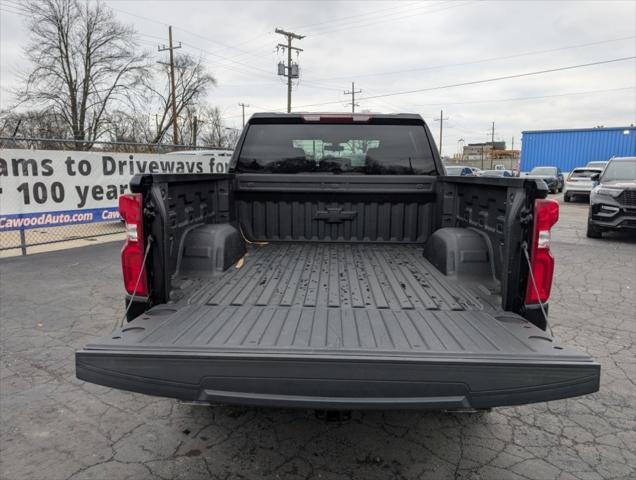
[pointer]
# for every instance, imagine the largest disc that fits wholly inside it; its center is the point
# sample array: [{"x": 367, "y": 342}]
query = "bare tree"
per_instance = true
[
  {"x": 192, "y": 84},
  {"x": 232, "y": 137},
  {"x": 190, "y": 124},
  {"x": 126, "y": 126},
  {"x": 215, "y": 133},
  {"x": 84, "y": 63},
  {"x": 33, "y": 124}
]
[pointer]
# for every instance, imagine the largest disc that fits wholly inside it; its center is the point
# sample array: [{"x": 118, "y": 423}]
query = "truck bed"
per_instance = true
[{"x": 338, "y": 326}]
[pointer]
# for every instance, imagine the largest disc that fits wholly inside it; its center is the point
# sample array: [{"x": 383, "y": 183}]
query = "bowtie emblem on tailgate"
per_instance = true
[{"x": 334, "y": 215}]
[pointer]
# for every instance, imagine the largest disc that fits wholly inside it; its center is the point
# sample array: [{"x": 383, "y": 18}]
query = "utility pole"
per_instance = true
[
  {"x": 243, "y": 105},
  {"x": 170, "y": 48},
  {"x": 492, "y": 144},
  {"x": 441, "y": 129},
  {"x": 290, "y": 71},
  {"x": 353, "y": 97}
]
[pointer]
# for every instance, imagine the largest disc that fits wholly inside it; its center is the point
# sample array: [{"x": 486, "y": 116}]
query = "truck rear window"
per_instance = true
[{"x": 337, "y": 148}]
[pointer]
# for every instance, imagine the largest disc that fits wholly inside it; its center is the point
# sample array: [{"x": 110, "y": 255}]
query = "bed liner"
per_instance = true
[{"x": 338, "y": 326}]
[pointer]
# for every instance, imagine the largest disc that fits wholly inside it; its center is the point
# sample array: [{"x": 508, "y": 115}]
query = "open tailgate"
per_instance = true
[{"x": 317, "y": 357}]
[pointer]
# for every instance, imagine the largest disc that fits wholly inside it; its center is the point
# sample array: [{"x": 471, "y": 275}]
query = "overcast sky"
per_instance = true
[{"x": 392, "y": 47}]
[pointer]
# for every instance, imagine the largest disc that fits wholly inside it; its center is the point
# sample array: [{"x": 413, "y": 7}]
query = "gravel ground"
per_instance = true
[{"x": 54, "y": 426}]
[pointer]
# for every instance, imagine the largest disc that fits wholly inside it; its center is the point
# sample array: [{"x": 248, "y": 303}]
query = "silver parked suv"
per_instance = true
[
  {"x": 579, "y": 182},
  {"x": 613, "y": 200}
]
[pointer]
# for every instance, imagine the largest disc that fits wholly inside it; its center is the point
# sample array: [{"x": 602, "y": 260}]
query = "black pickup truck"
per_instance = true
[{"x": 335, "y": 267}]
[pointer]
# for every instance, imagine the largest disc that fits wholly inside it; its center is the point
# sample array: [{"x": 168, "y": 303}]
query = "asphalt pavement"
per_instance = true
[{"x": 53, "y": 426}]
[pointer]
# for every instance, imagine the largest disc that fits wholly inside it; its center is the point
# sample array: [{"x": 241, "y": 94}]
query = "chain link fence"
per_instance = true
[
  {"x": 22, "y": 240},
  {"x": 25, "y": 238}
]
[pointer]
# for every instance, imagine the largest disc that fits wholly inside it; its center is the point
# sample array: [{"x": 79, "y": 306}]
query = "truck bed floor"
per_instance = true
[
  {"x": 337, "y": 298},
  {"x": 394, "y": 277}
]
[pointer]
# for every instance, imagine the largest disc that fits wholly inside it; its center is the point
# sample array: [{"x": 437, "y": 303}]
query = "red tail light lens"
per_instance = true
[
  {"x": 546, "y": 214},
  {"x": 132, "y": 255}
]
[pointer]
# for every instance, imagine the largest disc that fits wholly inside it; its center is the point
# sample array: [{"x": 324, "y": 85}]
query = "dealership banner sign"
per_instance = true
[{"x": 46, "y": 188}]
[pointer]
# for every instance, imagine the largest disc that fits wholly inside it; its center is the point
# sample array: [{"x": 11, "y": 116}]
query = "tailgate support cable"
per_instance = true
[
  {"x": 141, "y": 272},
  {"x": 524, "y": 247}
]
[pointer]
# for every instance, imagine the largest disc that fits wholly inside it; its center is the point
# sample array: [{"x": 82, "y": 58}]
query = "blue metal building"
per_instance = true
[{"x": 569, "y": 149}]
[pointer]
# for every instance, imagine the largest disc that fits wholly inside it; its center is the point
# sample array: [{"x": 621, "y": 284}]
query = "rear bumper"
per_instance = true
[
  {"x": 576, "y": 190},
  {"x": 339, "y": 382}
]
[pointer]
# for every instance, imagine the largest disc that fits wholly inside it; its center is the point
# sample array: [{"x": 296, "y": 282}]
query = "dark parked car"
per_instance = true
[
  {"x": 613, "y": 200},
  {"x": 550, "y": 175}
]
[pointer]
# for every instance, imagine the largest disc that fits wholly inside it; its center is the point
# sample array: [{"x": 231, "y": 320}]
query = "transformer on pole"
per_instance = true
[{"x": 290, "y": 70}]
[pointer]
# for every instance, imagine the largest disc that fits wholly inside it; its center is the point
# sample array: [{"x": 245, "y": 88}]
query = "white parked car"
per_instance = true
[{"x": 579, "y": 182}]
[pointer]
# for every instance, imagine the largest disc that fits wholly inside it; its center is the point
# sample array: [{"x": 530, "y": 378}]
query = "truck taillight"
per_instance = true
[
  {"x": 335, "y": 118},
  {"x": 132, "y": 255},
  {"x": 546, "y": 214}
]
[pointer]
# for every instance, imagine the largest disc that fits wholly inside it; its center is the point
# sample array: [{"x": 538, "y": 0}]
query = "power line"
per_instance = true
[
  {"x": 505, "y": 77},
  {"x": 485, "y": 80},
  {"x": 239, "y": 69},
  {"x": 225, "y": 46},
  {"x": 229, "y": 63},
  {"x": 484, "y": 60},
  {"x": 385, "y": 19},
  {"x": 357, "y": 16},
  {"x": 227, "y": 59},
  {"x": 458, "y": 126},
  {"x": 11, "y": 11},
  {"x": 187, "y": 31},
  {"x": 319, "y": 85},
  {"x": 362, "y": 18},
  {"x": 517, "y": 99},
  {"x": 383, "y": 103},
  {"x": 12, "y": 8},
  {"x": 15, "y": 4}
]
